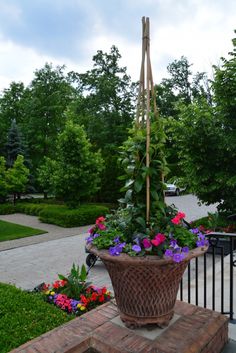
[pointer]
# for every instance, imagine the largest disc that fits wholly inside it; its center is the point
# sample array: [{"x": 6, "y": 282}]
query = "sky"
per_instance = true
[{"x": 69, "y": 32}]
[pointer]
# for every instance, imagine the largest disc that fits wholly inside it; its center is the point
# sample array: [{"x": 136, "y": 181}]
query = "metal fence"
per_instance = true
[{"x": 209, "y": 280}]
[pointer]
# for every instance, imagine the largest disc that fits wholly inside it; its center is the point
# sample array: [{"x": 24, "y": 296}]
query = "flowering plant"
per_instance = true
[
  {"x": 87, "y": 298},
  {"x": 170, "y": 240}
]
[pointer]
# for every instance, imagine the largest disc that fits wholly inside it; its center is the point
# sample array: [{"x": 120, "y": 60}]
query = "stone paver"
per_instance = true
[{"x": 197, "y": 330}]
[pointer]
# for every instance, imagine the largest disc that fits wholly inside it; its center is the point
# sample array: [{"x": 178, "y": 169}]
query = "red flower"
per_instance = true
[
  {"x": 181, "y": 215},
  {"x": 56, "y": 284},
  {"x": 104, "y": 290},
  {"x": 178, "y": 217},
  {"x": 159, "y": 239},
  {"x": 84, "y": 300},
  {"x": 94, "y": 296},
  {"x": 63, "y": 283},
  {"x": 100, "y": 220},
  {"x": 101, "y": 299},
  {"x": 175, "y": 220},
  {"x": 46, "y": 286}
]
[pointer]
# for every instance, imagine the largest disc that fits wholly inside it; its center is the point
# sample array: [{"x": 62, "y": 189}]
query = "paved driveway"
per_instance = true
[{"x": 38, "y": 259}]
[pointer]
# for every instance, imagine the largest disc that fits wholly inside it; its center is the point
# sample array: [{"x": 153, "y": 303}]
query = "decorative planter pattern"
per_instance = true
[{"x": 145, "y": 288}]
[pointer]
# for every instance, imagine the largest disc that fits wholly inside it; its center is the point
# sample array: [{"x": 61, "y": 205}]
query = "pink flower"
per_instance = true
[
  {"x": 100, "y": 220},
  {"x": 159, "y": 239},
  {"x": 181, "y": 215},
  {"x": 101, "y": 226},
  {"x": 175, "y": 220},
  {"x": 146, "y": 243}
]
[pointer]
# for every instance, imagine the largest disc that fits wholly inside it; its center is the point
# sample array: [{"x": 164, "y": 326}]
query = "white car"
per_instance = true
[{"x": 172, "y": 189}]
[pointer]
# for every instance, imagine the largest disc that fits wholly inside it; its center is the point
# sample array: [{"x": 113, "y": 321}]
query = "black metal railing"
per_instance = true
[{"x": 209, "y": 280}]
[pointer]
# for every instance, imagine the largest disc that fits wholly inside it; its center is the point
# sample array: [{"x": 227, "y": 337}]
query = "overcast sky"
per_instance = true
[{"x": 33, "y": 32}]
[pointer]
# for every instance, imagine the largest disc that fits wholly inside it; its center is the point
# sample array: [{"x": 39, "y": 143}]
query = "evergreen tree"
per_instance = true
[{"x": 14, "y": 145}]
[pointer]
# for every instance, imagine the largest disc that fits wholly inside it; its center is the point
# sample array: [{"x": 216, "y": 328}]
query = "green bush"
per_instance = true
[
  {"x": 7, "y": 208},
  {"x": 64, "y": 217},
  {"x": 59, "y": 214},
  {"x": 25, "y": 316},
  {"x": 29, "y": 208}
]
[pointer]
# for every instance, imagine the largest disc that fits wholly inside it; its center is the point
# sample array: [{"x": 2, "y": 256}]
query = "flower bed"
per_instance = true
[
  {"x": 91, "y": 297},
  {"x": 73, "y": 293}
]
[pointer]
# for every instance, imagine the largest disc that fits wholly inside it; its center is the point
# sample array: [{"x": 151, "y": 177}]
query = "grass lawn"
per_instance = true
[
  {"x": 24, "y": 316},
  {"x": 10, "y": 231}
]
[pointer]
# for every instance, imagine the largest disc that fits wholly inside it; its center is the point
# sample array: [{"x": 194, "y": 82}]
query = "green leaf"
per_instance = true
[
  {"x": 154, "y": 195},
  {"x": 141, "y": 221},
  {"x": 138, "y": 185},
  {"x": 128, "y": 196},
  {"x": 83, "y": 273},
  {"x": 62, "y": 277},
  {"x": 129, "y": 183}
]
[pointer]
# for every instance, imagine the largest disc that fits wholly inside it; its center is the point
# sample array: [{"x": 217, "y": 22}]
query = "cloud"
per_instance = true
[{"x": 71, "y": 32}]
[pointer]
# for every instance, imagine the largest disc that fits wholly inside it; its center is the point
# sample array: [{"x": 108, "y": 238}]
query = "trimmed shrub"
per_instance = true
[
  {"x": 7, "y": 208},
  {"x": 64, "y": 217},
  {"x": 29, "y": 208},
  {"x": 58, "y": 214}
]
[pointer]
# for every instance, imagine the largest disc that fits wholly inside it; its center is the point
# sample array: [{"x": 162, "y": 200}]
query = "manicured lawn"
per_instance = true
[
  {"x": 9, "y": 231},
  {"x": 24, "y": 316}
]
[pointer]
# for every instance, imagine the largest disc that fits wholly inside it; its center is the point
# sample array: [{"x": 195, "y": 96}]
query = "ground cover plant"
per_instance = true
[
  {"x": 10, "y": 231},
  {"x": 24, "y": 316}
]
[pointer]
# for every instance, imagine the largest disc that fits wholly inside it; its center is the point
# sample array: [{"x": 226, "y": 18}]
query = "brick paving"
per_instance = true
[{"x": 197, "y": 330}]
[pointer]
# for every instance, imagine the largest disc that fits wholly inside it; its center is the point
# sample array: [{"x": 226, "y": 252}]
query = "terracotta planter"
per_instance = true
[{"x": 145, "y": 288}]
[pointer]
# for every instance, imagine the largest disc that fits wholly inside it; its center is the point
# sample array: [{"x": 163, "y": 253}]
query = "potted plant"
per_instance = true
[{"x": 145, "y": 244}]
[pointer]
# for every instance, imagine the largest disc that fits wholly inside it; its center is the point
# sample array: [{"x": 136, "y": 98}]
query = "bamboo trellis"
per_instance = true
[{"x": 146, "y": 94}]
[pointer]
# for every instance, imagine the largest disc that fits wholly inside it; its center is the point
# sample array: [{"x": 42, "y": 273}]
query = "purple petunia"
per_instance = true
[
  {"x": 168, "y": 253},
  {"x": 89, "y": 240},
  {"x": 194, "y": 230},
  {"x": 117, "y": 249},
  {"x": 136, "y": 248},
  {"x": 173, "y": 243},
  {"x": 202, "y": 241},
  {"x": 96, "y": 235},
  {"x": 185, "y": 249},
  {"x": 178, "y": 257}
]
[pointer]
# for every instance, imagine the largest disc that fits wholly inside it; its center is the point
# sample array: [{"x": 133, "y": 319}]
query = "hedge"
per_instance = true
[
  {"x": 60, "y": 215},
  {"x": 7, "y": 208}
]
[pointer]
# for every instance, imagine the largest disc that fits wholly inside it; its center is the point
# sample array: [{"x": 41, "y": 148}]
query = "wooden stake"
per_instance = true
[
  {"x": 148, "y": 123},
  {"x": 146, "y": 91},
  {"x": 141, "y": 92}
]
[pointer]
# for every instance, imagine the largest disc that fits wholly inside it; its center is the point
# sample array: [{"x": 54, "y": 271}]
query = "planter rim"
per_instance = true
[{"x": 147, "y": 259}]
